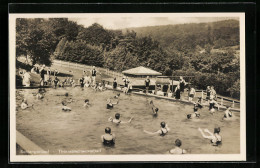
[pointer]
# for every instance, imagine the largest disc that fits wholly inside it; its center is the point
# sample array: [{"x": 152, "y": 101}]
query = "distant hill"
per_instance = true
[{"x": 187, "y": 36}]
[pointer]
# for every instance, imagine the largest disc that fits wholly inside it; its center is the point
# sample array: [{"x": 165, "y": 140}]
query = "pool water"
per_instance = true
[{"x": 52, "y": 129}]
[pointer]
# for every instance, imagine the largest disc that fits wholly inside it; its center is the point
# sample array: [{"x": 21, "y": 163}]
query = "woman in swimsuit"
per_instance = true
[
  {"x": 110, "y": 105},
  {"x": 117, "y": 119},
  {"x": 215, "y": 138},
  {"x": 177, "y": 150},
  {"x": 108, "y": 139},
  {"x": 163, "y": 131}
]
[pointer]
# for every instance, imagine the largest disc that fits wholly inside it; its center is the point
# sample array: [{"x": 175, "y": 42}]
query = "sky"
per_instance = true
[{"x": 127, "y": 22}]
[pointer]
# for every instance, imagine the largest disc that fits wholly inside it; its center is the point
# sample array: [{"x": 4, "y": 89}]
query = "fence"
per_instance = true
[
  {"x": 86, "y": 67},
  {"x": 222, "y": 100}
]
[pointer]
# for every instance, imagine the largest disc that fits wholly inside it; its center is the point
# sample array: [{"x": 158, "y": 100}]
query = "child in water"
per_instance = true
[
  {"x": 212, "y": 105},
  {"x": 163, "y": 131},
  {"x": 177, "y": 150},
  {"x": 117, "y": 119}
]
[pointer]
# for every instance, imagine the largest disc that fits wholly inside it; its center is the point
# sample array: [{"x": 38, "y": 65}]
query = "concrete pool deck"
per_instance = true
[{"x": 171, "y": 99}]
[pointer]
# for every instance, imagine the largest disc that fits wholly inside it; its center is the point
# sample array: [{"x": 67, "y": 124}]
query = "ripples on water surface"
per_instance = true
[{"x": 81, "y": 129}]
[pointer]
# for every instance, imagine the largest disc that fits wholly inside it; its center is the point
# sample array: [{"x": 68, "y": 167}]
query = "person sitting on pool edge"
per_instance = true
[
  {"x": 86, "y": 104},
  {"x": 228, "y": 114},
  {"x": 177, "y": 150},
  {"x": 110, "y": 105},
  {"x": 163, "y": 131},
  {"x": 108, "y": 139},
  {"x": 117, "y": 119},
  {"x": 64, "y": 107},
  {"x": 215, "y": 138}
]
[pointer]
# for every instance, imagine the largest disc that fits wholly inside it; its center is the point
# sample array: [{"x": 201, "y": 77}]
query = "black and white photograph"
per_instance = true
[{"x": 127, "y": 87}]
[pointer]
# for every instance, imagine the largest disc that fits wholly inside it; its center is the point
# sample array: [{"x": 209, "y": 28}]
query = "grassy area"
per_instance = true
[{"x": 64, "y": 72}]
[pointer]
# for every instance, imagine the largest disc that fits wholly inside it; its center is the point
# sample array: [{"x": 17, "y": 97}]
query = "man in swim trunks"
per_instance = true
[
  {"x": 93, "y": 75},
  {"x": 147, "y": 84},
  {"x": 163, "y": 131},
  {"x": 108, "y": 139},
  {"x": 117, "y": 119},
  {"x": 177, "y": 150}
]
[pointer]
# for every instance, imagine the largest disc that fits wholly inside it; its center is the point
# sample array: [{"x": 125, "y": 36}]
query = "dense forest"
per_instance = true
[{"x": 208, "y": 51}]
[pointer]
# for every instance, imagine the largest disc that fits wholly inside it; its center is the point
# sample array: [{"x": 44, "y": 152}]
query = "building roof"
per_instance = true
[{"x": 141, "y": 71}]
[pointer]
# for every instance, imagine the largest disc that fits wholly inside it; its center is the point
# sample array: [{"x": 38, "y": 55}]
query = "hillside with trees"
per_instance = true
[{"x": 205, "y": 50}]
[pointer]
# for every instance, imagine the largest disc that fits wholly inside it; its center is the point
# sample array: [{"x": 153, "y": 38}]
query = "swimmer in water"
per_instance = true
[
  {"x": 110, "y": 105},
  {"x": 194, "y": 115},
  {"x": 215, "y": 138},
  {"x": 86, "y": 103},
  {"x": 64, "y": 107},
  {"x": 117, "y": 119},
  {"x": 108, "y": 139},
  {"x": 39, "y": 95},
  {"x": 163, "y": 131},
  {"x": 154, "y": 109},
  {"x": 81, "y": 82},
  {"x": 24, "y": 104},
  {"x": 177, "y": 150},
  {"x": 228, "y": 114},
  {"x": 117, "y": 96},
  {"x": 212, "y": 105}
]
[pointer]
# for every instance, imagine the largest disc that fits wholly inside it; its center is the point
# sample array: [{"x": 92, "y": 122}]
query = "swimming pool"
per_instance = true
[{"x": 81, "y": 129}]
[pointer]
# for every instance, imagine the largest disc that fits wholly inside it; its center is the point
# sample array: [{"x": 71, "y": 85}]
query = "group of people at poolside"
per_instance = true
[{"x": 108, "y": 138}]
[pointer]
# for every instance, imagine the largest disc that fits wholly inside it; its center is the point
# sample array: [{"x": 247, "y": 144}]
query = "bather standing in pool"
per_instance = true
[
  {"x": 163, "y": 131},
  {"x": 215, "y": 138},
  {"x": 117, "y": 119},
  {"x": 110, "y": 105},
  {"x": 177, "y": 150},
  {"x": 108, "y": 139}
]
